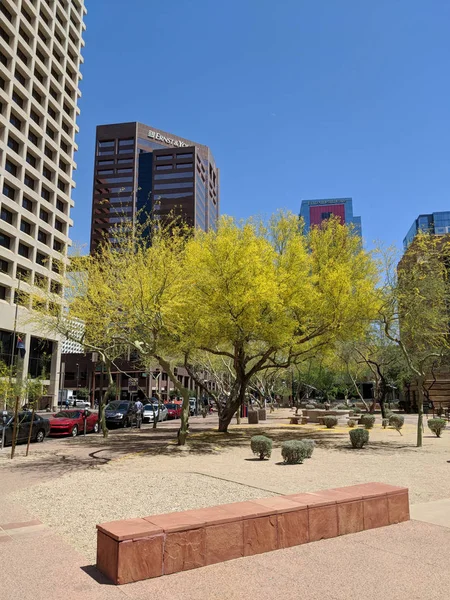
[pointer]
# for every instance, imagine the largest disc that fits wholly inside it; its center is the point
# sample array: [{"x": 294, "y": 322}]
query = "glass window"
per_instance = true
[
  {"x": 9, "y": 191},
  {"x": 24, "y": 250},
  {"x": 4, "y": 266},
  {"x": 11, "y": 168},
  {"x": 165, "y": 157},
  {"x": 31, "y": 160},
  {"x": 184, "y": 165},
  {"x": 13, "y": 144},
  {"x": 3, "y": 292},
  {"x": 44, "y": 215},
  {"x": 126, "y": 142},
  {"x": 164, "y": 167},
  {"x": 15, "y": 121},
  {"x": 5, "y": 240},
  {"x": 168, "y": 186},
  {"x": 163, "y": 195},
  {"x": 6, "y": 215},
  {"x": 105, "y": 162},
  {"x": 60, "y": 205},
  {"x": 25, "y": 227},
  {"x": 42, "y": 236},
  {"x": 105, "y": 172},
  {"x": 45, "y": 193},
  {"x": 121, "y": 161},
  {"x": 22, "y": 273},
  {"x": 106, "y": 144},
  {"x": 185, "y": 155},
  {"x": 29, "y": 181},
  {"x": 27, "y": 204},
  {"x": 187, "y": 175},
  {"x": 33, "y": 138},
  {"x": 42, "y": 259},
  {"x": 120, "y": 171},
  {"x": 57, "y": 245}
]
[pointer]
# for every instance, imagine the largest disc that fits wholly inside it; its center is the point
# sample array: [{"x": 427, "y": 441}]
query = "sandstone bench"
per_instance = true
[{"x": 137, "y": 549}]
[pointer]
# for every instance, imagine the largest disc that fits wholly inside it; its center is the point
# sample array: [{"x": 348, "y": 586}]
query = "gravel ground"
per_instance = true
[{"x": 142, "y": 484}]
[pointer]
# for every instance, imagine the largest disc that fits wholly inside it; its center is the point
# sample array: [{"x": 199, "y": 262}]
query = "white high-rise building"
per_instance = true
[{"x": 40, "y": 57}]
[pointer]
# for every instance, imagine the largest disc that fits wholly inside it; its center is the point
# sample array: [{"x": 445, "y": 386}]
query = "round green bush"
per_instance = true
[
  {"x": 330, "y": 422},
  {"x": 351, "y": 423},
  {"x": 396, "y": 421},
  {"x": 384, "y": 423},
  {"x": 309, "y": 445},
  {"x": 368, "y": 421},
  {"x": 359, "y": 437},
  {"x": 262, "y": 446},
  {"x": 437, "y": 426},
  {"x": 310, "y": 406},
  {"x": 293, "y": 452},
  {"x": 341, "y": 407}
]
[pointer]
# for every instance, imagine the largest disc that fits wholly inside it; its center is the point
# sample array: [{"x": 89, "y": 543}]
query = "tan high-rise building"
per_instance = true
[{"x": 40, "y": 57}]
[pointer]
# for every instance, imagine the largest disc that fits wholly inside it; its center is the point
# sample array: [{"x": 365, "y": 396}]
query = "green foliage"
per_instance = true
[
  {"x": 384, "y": 423},
  {"x": 396, "y": 421},
  {"x": 309, "y": 445},
  {"x": 310, "y": 406},
  {"x": 368, "y": 421},
  {"x": 341, "y": 407},
  {"x": 359, "y": 437},
  {"x": 261, "y": 446},
  {"x": 330, "y": 422},
  {"x": 293, "y": 452},
  {"x": 351, "y": 423},
  {"x": 437, "y": 426}
]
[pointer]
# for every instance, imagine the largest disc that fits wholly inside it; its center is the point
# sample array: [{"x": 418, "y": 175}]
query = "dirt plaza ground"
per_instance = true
[{"x": 142, "y": 472}]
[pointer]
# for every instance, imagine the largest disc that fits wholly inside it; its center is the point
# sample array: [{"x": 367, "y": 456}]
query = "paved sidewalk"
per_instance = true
[{"x": 437, "y": 512}]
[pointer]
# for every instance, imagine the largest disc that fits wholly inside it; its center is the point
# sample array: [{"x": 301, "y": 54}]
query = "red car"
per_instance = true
[
  {"x": 173, "y": 411},
  {"x": 71, "y": 422}
]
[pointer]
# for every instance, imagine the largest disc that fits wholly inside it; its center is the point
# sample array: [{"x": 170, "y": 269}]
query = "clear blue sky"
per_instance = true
[{"x": 297, "y": 99}]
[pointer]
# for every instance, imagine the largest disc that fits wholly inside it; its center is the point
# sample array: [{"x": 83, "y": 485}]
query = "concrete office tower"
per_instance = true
[
  {"x": 314, "y": 212},
  {"x": 40, "y": 56},
  {"x": 140, "y": 167},
  {"x": 437, "y": 223}
]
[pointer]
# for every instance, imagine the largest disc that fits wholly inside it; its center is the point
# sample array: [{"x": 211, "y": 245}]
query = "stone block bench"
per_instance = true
[{"x": 137, "y": 549}]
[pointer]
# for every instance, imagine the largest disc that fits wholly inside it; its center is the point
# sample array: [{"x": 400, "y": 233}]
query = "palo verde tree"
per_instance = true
[
  {"x": 264, "y": 296},
  {"x": 415, "y": 311}
]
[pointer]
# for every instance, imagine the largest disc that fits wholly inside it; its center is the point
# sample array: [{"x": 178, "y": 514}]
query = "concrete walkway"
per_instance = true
[{"x": 437, "y": 512}]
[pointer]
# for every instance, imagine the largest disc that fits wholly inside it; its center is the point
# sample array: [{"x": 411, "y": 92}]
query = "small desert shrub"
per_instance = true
[
  {"x": 351, "y": 423},
  {"x": 293, "y": 452},
  {"x": 309, "y": 445},
  {"x": 368, "y": 421},
  {"x": 341, "y": 407},
  {"x": 397, "y": 422},
  {"x": 262, "y": 446},
  {"x": 437, "y": 426},
  {"x": 359, "y": 437},
  {"x": 384, "y": 423},
  {"x": 310, "y": 406},
  {"x": 330, "y": 422},
  {"x": 388, "y": 413}
]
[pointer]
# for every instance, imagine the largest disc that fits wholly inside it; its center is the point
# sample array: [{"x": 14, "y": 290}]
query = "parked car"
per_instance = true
[
  {"x": 71, "y": 422},
  {"x": 80, "y": 403},
  {"x": 120, "y": 413},
  {"x": 157, "y": 411},
  {"x": 40, "y": 430},
  {"x": 192, "y": 406},
  {"x": 173, "y": 411}
]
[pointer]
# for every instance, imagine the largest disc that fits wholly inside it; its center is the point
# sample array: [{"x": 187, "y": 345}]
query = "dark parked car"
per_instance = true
[
  {"x": 41, "y": 427},
  {"x": 120, "y": 413}
]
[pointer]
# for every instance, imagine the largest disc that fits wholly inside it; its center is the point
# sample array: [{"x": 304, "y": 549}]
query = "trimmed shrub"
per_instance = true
[
  {"x": 342, "y": 407},
  {"x": 330, "y": 422},
  {"x": 388, "y": 412},
  {"x": 397, "y": 422},
  {"x": 359, "y": 437},
  {"x": 368, "y": 421},
  {"x": 262, "y": 446},
  {"x": 293, "y": 452},
  {"x": 351, "y": 423},
  {"x": 309, "y": 445},
  {"x": 384, "y": 423},
  {"x": 437, "y": 426},
  {"x": 310, "y": 406}
]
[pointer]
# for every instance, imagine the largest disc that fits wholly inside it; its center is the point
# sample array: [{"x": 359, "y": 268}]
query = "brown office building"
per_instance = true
[{"x": 140, "y": 167}]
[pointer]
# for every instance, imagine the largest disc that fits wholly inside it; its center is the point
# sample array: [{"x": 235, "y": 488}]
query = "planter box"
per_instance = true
[
  {"x": 262, "y": 414},
  {"x": 253, "y": 417}
]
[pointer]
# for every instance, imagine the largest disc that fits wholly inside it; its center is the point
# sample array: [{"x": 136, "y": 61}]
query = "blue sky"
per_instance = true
[{"x": 297, "y": 99}]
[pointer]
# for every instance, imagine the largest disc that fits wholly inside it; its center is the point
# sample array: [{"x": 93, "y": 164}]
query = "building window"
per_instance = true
[
  {"x": 164, "y": 157},
  {"x": 48, "y": 152},
  {"x": 61, "y": 185},
  {"x": 60, "y": 205},
  {"x": 64, "y": 147},
  {"x": 13, "y": 144},
  {"x": 42, "y": 260},
  {"x": 11, "y": 168},
  {"x": 17, "y": 99},
  {"x": 59, "y": 225},
  {"x": 55, "y": 287},
  {"x": 36, "y": 95},
  {"x": 325, "y": 215},
  {"x": 51, "y": 112},
  {"x": 4, "y": 266},
  {"x": 184, "y": 166},
  {"x": 36, "y": 118},
  {"x": 47, "y": 173},
  {"x": 23, "y": 57},
  {"x": 15, "y": 121},
  {"x": 42, "y": 236},
  {"x": 31, "y": 160},
  {"x": 46, "y": 194},
  {"x": 23, "y": 274},
  {"x": 25, "y": 227},
  {"x": 44, "y": 215},
  {"x": 49, "y": 131},
  {"x": 5, "y": 240},
  {"x": 21, "y": 298},
  {"x": 185, "y": 155},
  {"x": 3, "y": 292},
  {"x": 27, "y": 204},
  {"x": 57, "y": 245},
  {"x": 29, "y": 181},
  {"x": 33, "y": 138},
  {"x": 9, "y": 191},
  {"x": 63, "y": 166},
  {"x": 24, "y": 250},
  {"x": 6, "y": 215},
  {"x": 40, "y": 281}
]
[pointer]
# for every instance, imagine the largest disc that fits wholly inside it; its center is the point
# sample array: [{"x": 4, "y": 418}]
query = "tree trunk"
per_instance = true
[
  {"x": 15, "y": 428},
  {"x": 420, "y": 383},
  {"x": 185, "y": 408},
  {"x": 227, "y": 414},
  {"x": 31, "y": 431}
]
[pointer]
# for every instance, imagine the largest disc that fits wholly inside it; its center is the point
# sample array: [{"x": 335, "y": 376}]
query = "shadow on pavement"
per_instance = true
[{"x": 95, "y": 574}]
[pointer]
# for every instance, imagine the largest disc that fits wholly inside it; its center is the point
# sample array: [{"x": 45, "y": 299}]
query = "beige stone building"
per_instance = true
[{"x": 40, "y": 58}]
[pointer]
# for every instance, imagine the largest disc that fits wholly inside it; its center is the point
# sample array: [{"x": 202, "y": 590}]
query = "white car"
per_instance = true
[
  {"x": 79, "y": 403},
  {"x": 159, "y": 412}
]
